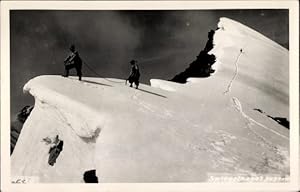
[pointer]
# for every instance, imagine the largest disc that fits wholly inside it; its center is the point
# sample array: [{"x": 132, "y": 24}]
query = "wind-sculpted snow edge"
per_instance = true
[
  {"x": 239, "y": 29},
  {"x": 85, "y": 122}
]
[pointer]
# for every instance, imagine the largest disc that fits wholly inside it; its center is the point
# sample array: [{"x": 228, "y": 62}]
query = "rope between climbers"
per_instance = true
[{"x": 97, "y": 74}]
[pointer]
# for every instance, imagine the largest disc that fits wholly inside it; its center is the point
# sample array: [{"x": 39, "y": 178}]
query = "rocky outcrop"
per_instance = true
[
  {"x": 90, "y": 176},
  {"x": 201, "y": 67},
  {"x": 17, "y": 124}
]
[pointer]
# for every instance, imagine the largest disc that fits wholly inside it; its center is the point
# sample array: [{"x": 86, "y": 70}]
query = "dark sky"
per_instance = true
[{"x": 163, "y": 42}]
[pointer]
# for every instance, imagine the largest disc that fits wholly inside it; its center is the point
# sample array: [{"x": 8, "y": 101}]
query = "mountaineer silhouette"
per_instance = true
[
  {"x": 134, "y": 75},
  {"x": 73, "y": 60}
]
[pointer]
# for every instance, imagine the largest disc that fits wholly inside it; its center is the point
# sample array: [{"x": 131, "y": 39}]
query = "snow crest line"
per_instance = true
[
  {"x": 234, "y": 26},
  {"x": 238, "y": 106}
]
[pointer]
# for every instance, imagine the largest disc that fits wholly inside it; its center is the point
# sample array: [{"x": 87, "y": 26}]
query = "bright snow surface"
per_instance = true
[{"x": 167, "y": 132}]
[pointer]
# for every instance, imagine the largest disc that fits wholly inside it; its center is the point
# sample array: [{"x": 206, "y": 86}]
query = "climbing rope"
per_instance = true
[{"x": 97, "y": 74}]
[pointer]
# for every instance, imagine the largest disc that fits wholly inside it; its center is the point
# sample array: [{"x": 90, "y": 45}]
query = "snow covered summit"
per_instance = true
[{"x": 229, "y": 123}]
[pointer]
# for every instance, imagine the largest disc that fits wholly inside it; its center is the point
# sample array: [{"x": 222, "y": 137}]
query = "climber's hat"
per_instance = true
[{"x": 132, "y": 62}]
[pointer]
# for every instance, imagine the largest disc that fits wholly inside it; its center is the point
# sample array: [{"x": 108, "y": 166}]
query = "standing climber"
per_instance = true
[
  {"x": 135, "y": 74},
  {"x": 73, "y": 61}
]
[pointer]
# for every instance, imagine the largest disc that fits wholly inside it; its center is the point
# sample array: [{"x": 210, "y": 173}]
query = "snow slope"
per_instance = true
[{"x": 166, "y": 132}]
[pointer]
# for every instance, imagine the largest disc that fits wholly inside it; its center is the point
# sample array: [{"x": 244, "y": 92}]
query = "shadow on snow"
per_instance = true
[{"x": 97, "y": 83}]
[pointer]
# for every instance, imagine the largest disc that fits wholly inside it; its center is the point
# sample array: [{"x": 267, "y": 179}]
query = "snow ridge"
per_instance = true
[
  {"x": 236, "y": 27},
  {"x": 238, "y": 106},
  {"x": 85, "y": 121},
  {"x": 157, "y": 83}
]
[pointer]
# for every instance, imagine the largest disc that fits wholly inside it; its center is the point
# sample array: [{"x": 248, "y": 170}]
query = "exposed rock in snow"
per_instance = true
[
  {"x": 166, "y": 132},
  {"x": 17, "y": 124},
  {"x": 202, "y": 66}
]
